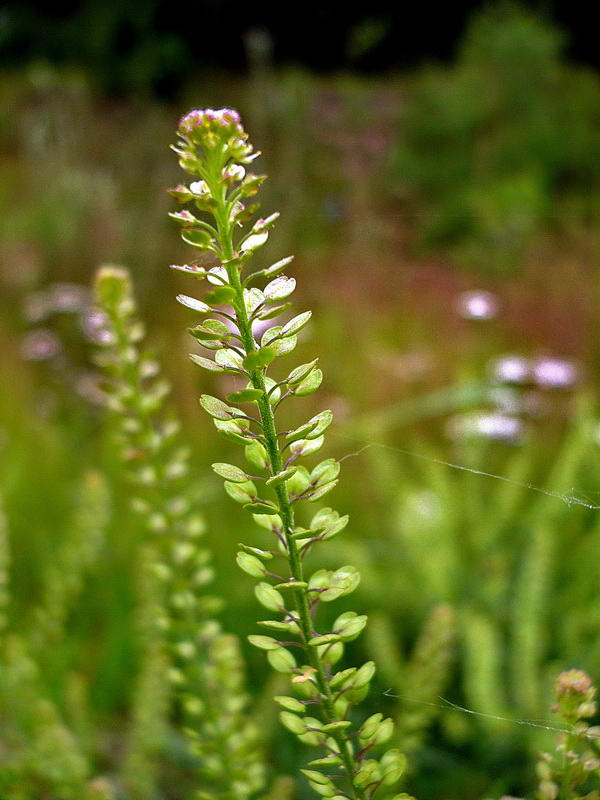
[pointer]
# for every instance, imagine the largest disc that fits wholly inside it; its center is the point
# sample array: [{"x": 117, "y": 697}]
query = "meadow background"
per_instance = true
[{"x": 444, "y": 223}]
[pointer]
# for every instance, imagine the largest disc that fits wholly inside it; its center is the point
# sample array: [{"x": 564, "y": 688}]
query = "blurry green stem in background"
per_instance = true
[{"x": 184, "y": 642}]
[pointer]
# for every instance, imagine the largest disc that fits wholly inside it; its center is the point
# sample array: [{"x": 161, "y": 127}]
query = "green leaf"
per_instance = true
[
  {"x": 281, "y": 660},
  {"x": 393, "y": 766},
  {"x": 264, "y": 643},
  {"x": 335, "y": 527},
  {"x": 270, "y": 335},
  {"x": 211, "y": 329},
  {"x": 350, "y": 625},
  {"x": 328, "y": 761},
  {"x": 233, "y": 430},
  {"x": 276, "y": 625},
  {"x": 257, "y": 455},
  {"x": 305, "y": 447},
  {"x": 251, "y": 565},
  {"x": 191, "y": 302},
  {"x": 253, "y": 242},
  {"x": 323, "y": 518},
  {"x": 292, "y": 722},
  {"x": 270, "y": 522},
  {"x": 296, "y": 323},
  {"x": 196, "y": 237},
  {"x": 309, "y": 385},
  {"x": 230, "y": 472},
  {"x": 261, "y": 507},
  {"x": 363, "y": 675},
  {"x": 253, "y": 298},
  {"x": 273, "y": 311},
  {"x": 256, "y": 551},
  {"x": 384, "y": 731},
  {"x": 369, "y": 728},
  {"x": 290, "y": 704},
  {"x": 245, "y": 396},
  {"x": 302, "y": 431},
  {"x": 283, "y": 346},
  {"x": 210, "y": 344},
  {"x": 269, "y": 597},
  {"x": 321, "y": 784},
  {"x": 312, "y": 737},
  {"x": 242, "y": 493},
  {"x": 278, "y": 479},
  {"x": 326, "y": 638},
  {"x": 299, "y": 481},
  {"x": 343, "y": 581},
  {"x": 368, "y": 773},
  {"x": 259, "y": 359},
  {"x": 343, "y": 678},
  {"x": 331, "y": 653},
  {"x": 206, "y": 363},
  {"x": 340, "y": 724},
  {"x": 222, "y": 295},
  {"x": 277, "y": 267},
  {"x": 298, "y": 374},
  {"x": 228, "y": 358},
  {"x": 202, "y": 336},
  {"x": 335, "y": 584},
  {"x": 324, "y": 420},
  {"x": 321, "y": 491},
  {"x": 291, "y": 585},
  {"x": 216, "y": 408},
  {"x": 315, "y": 777},
  {"x": 280, "y": 288},
  {"x": 324, "y": 472}
]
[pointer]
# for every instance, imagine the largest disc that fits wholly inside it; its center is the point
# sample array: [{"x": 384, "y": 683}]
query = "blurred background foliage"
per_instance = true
[{"x": 445, "y": 227}]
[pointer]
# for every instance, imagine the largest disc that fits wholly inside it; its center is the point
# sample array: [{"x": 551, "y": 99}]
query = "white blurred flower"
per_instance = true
[
  {"x": 477, "y": 305},
  {"x": 511, "y": 369},
  {"x": 199, "y": 187},
  {"x": 555, "y": 373},
  {"x": 65, "y": 297},
  {"x": 495, "y": 426}
]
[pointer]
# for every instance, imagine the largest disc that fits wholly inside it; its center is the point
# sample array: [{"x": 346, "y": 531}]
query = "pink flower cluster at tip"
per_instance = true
[{"x": 221, "y": 120}]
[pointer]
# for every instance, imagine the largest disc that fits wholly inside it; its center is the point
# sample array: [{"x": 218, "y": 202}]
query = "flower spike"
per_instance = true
[{"x": 215, "y": 150}]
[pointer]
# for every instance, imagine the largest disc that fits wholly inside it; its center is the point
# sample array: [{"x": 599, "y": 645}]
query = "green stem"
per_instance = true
[{"x": 286, "y": 512}]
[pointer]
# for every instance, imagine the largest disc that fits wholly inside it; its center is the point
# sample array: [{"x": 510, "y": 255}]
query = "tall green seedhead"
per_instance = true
[{"x": 276, "y": 486}]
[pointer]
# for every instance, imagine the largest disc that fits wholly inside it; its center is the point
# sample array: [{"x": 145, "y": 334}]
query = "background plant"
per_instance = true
[
  {"x": 183, "y": 643},
  {"x": 487, "y": 159}
]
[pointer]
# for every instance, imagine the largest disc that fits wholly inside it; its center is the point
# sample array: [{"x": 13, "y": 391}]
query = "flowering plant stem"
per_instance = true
[
  {"x": 213, "y": 147},
  {"x": 267, "y": 418}
]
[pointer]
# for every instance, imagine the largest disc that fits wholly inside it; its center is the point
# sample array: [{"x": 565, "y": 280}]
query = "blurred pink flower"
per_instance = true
[
  {"x": 511, "y": 369},
  {"x": 499, "y": 427},
  {"x": 40, "y": 345},
  {"x": 555, "y": 373},
  {"x": 477, "y": 305}
]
